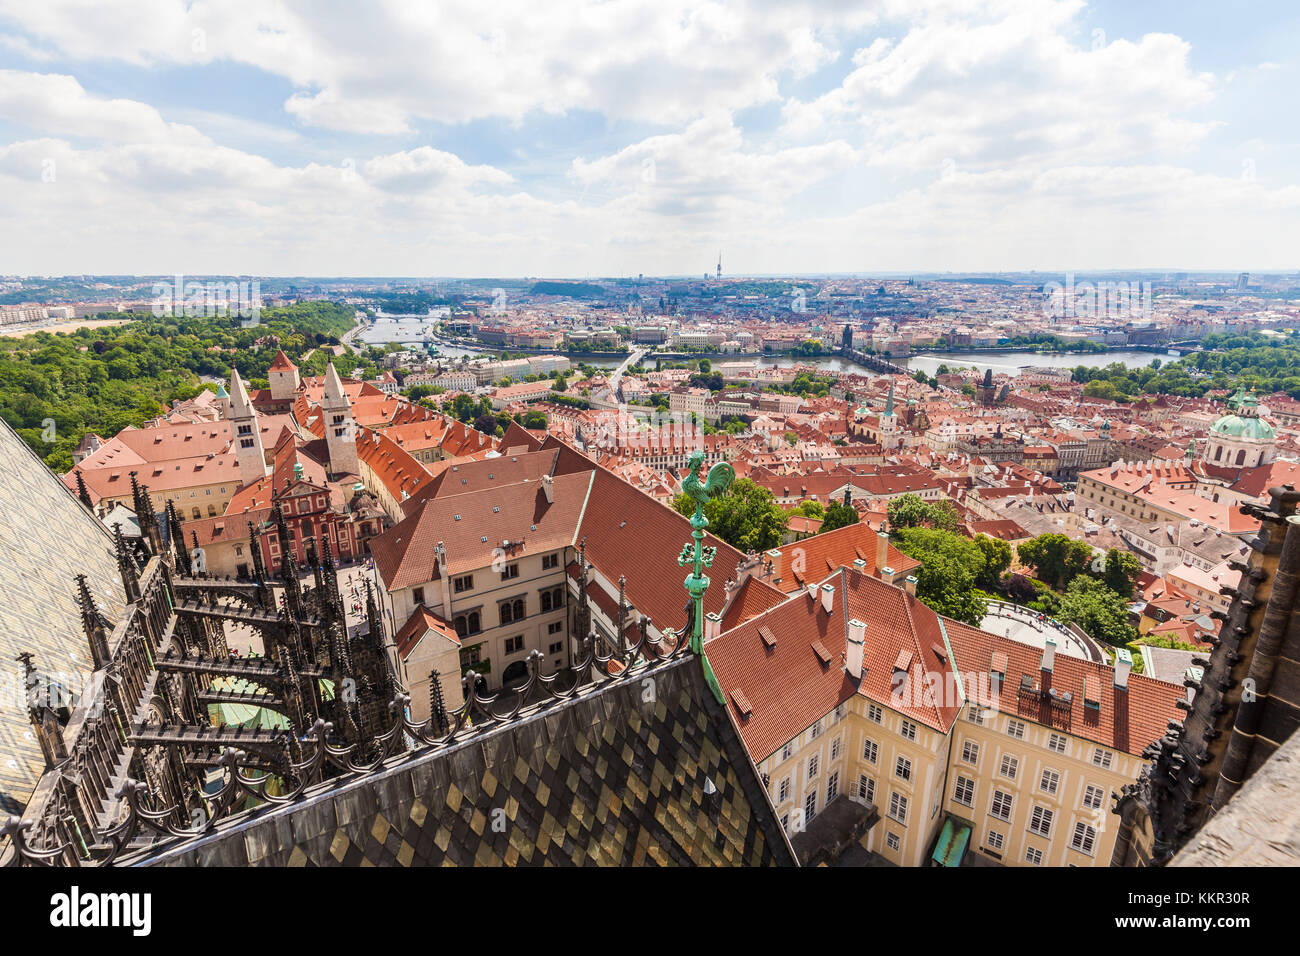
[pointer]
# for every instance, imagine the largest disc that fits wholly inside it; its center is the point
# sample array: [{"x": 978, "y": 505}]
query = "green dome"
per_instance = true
[{"x": 1250, "y": 427}]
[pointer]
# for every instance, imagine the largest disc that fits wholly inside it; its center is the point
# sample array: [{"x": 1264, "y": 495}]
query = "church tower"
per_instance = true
[
  {"x": 283, "y": 376},
  {"x": 246, "y": 432},
  {"x": 340, "y": 429},
  {"x": 889, "y": 436}
]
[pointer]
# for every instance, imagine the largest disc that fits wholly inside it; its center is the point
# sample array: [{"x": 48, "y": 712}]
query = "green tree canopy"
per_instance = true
[
  {"x": 838, "y": 515},
  {"x": 1097, "y": 609},
  {"x": 1057, "y": 559},
  {"x": 997, "y": 558},
  {"x": 913, "y": 511},
  {"x": 747, "y": 517},
  {"x": 948, "y": 578}
]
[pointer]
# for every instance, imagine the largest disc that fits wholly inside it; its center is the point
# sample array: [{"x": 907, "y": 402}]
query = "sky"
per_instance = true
[{"x": 625, "y": 137}]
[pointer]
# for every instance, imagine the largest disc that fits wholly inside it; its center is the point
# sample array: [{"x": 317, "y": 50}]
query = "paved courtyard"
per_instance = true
[{"x": 1029, "y": 627}]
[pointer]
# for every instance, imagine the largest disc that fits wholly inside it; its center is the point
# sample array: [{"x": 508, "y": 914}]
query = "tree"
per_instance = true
[
  {"x": 747, "y": 517},
  {"x": 1121, "y": 572},
  {"x": 997, "y": 558},
  {"x": 913, "y": 511},
  {"x": 838, "y": 515},
  {"x": 809, "y": 509},
  {"x": 1056, "y": 558},
  {"x": 948, "y": 576},
  {"x": 705, "y": 366},
  {"x": 1097, "y": 609}
]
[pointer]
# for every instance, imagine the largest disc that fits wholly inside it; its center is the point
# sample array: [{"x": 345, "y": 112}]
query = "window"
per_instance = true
[
  {"x": 908, "y": 730},
  {"x": 970, "y": 751},
  {"x": 1001, "y": 807},
  {"x": 512, "y": 611},
  {"x": 1084, "y": 838},
  {"x": 1033, "y": 857},
  {"x": 815, "y": 731},
  {"x": 835, "y": 748},
  {"x": 812, "y": 766},
  {"x": 810, "y": 807},
  {"x": 832, "y": 786},
  {"x": 994, "y": 840},
  {"x": 903, "y": 769},
  {"x": 964, "y": 791},
  {"x": 866, "y": 788},
  {"x": 898, "y": 807},
  {"x": 418, "y": 594},
  {"x": 870, "y": 751},
  {"x": 556, "y": 648},
  {"x": 1056, "y": 743},
  {"x": 1009, "y": 766},
  {"x": 1049, "y": 782},
  {"x": 893, "y": 841},
  {"x": 787, "y": 751},
  {"x": 783, "y": 791},
  {"x": 975, "y": 714},
  {"x": 1101, "y": 758},
  {"x": 463, "y": 583},
  {"x": 510, "y": 572},
  {"x": 1041, "y": 821},
  {"x": 550, "y": 561},
  {"x": 555, "y": 627},
  {"x": 1092, "y": 797},
  {"x": 875, "y": 714},
  {"x": 1015, "y": 729},
  {"x": 514, "y": 644}
]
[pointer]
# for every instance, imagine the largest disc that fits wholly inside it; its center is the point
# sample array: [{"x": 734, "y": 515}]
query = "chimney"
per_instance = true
[
  {"x": 828, "y": 597},
  {"x": 887, "y": 574},
  {"x": 1123, "y": 664},
  {"x": 774, "y": 558},
  {"x": 857, "y": 639},
  {"x": 712, "y": 625},
  {"x": 882, "y": 549},
  {"x": 1049, "y": 655},
  {"x": 812, "y": 592},
  {"x": 910, "y": 584},
  {"x": 860, "y": 565},
  {"x": 548, "y": 489}
]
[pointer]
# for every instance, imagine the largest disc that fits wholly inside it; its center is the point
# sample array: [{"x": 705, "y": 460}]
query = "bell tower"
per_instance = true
[
  {"x": 340, "y": 428},
  {"x": 245, "y": 432}
]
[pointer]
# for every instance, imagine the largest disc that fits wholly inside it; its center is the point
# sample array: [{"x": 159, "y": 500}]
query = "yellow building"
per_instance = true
[{"x": 863, "y": 693}]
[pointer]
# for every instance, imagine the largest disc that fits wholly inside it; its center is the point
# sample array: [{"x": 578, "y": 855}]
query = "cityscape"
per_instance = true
[{"x": 543, "y": 538}]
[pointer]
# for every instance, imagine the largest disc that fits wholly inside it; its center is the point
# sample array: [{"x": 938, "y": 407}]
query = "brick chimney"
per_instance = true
[
  {"x": 909, "y": 584},
  {"x": 1123, "y": 664},
  {"x": 828, "y": 597},
  {"x": 548, "y": 489},
  {"x": 856, "y": 644},
  {"x": 882, "y": 549},
  {"x": 1045, "y": 669},
  {"x": 712, "y": 625}
]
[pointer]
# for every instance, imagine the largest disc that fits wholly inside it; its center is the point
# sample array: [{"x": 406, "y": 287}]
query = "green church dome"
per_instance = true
[{"x": 1249, "y": 427}]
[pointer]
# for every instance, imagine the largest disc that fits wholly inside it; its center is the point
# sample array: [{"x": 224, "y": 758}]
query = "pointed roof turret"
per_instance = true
[
  {"x": 333, "y": 384},
  {"x": 240, "y": 403},
  {"x": 281, "y": 363}
]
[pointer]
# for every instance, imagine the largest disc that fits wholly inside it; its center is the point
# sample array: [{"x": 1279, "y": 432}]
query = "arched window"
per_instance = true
[
  {"x": 461, "y": 628},
  {"x": 475, "y": 624},
  {"x": 519, "y": 609},
  {"x": 1241, "y": 457},
  {"x": 197, "y": 513}
]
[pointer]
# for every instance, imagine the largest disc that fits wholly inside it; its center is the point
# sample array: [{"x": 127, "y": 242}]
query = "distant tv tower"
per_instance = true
[{"x": 719, "y": 264}]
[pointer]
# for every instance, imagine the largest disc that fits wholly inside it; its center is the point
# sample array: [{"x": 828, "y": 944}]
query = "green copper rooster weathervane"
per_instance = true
[{"x": 696, "y": 554}]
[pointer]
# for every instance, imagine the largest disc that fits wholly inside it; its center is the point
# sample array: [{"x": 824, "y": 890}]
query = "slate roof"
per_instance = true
[{"x": 605, "y": 778}]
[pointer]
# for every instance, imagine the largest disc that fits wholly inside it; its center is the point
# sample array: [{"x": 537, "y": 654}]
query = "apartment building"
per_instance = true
[{"x": 853, "y": 691}]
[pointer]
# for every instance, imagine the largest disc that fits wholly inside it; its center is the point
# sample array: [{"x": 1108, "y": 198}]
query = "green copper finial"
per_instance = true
[{"x": 695, "y": 554}]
